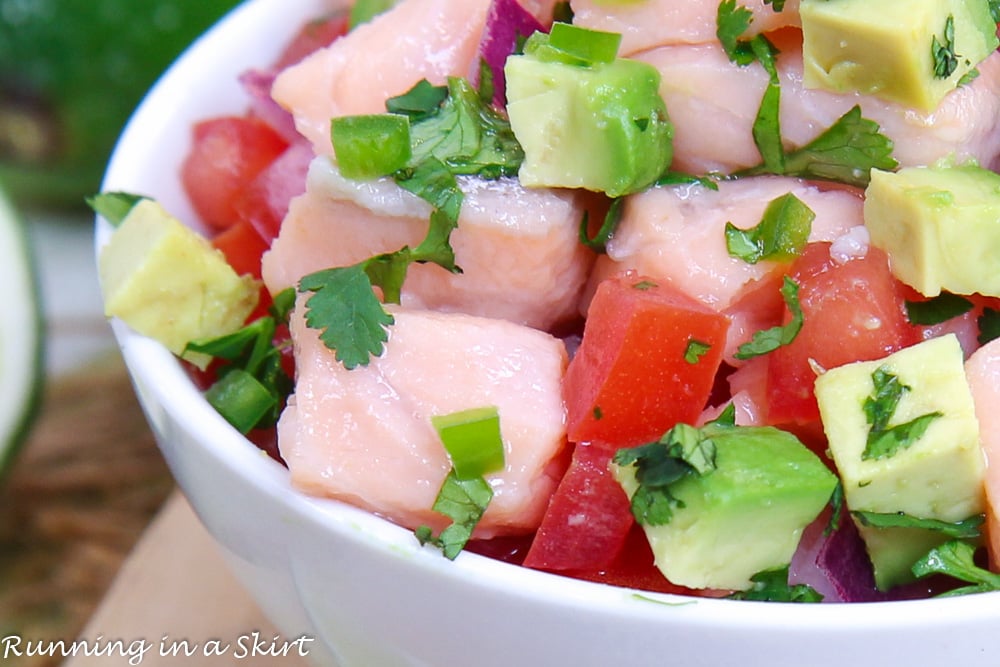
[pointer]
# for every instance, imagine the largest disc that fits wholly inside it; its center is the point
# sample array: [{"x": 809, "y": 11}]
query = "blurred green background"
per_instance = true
[{"x": 71, "y": 73}]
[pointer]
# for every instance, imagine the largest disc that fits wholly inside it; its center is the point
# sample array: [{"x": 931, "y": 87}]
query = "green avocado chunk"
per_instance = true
[
  {"x": 935, "y": 468},
  {"x": 940, "y": 227},
  {"x": 913, "y": 52},
  {"x": 600, "y": 126},
  {"x": 745, "y": 516}
]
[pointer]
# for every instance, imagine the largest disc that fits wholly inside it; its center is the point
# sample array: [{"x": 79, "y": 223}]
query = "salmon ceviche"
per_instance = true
[{"x": 687, "y": 297}]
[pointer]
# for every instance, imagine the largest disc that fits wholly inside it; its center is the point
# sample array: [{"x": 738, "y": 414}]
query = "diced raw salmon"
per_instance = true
[
  {"x": 644, "y": 25},
  {"x": 983, "y": 372},
  {"x": 364, "y": 436},
  {"x": 712, "y": 104},
  {"x": 517, "y": 247},
  {"x": 417, "y": 39}
]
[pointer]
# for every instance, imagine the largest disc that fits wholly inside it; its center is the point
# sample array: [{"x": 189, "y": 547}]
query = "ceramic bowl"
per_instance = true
[{"x": 362, "y": 588}]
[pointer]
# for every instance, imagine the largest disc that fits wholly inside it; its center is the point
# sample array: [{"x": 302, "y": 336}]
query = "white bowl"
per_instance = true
[{"x": 363, "y": 588}]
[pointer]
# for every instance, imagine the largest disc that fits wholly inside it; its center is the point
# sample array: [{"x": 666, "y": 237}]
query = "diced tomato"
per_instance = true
[
  {"x": 853, "y": 311},
  {"x": 314, "y": 35},
  {"x": 588, "y": 517},
  {"x": 648, "y": 360},
  {"x": 265, "y": 200},
  {"x": 634, "y": 568},
  {"x": 243, "y": 247},
  {"x": 226, "y": 155}
]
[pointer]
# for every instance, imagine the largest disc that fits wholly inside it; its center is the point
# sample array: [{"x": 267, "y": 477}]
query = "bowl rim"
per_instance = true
[{"x": 169, "y": 385}]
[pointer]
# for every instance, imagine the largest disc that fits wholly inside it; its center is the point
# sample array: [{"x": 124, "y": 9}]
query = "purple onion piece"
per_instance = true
[
  {"x": 506, "y": 22},
  {"x": 257, "y": 84}
]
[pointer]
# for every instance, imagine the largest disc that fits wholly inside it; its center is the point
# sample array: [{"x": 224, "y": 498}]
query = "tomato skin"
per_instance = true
[
  {"x": 264, "y": 201},
  {"x": 243, "y": 247},
  {"x": 588, "y": 517},
  {"x": 853, "y": 311},
  {"x": 629, "y": 382},
  {"x": 314, "y": 35},
  {"x": 227, "y": 153}
]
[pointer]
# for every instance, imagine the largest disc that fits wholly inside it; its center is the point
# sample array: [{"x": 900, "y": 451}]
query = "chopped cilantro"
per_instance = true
[
  {"x": 956, "y": 559},
  {"x": 695, "y": 351},
  {"x": 837, "y": 504},
  {"x": 995, "y": 10},
  {"x": 598, "y": 243},
  {"x": 252, "y": 384},
  {"x": 939, "y": 309},
  {"x": 114, "y": 206},
  {"x": 879, "y": 408},
  {"x": 347, "y": 313},
  {"x": 781, "y": 234},
  {"x": 726, "y": 418},
  {"x": 772, "y": 586},
  {"x": 771, "y": 339},
  {"x": 989, "y": 325},
  {"x": 776, "y": 5},
  {"x": 683, "y": 450},
  {"x": 943, "y": 52},
  {"x": 644, "y": 285},
  {"x": 731, "y": 22},
  {"x": 420, "y": 101},
  {"x": 598, "y": 413},
  {"x": 464, "y": 501},
  {"x": 968, "y": 529},
  {"x": 669, "y": 177},
  {"x": 845, "y": 153}
]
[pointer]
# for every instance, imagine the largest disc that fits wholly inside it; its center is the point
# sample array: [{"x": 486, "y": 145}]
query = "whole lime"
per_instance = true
[{"x": 71, "y": 73}]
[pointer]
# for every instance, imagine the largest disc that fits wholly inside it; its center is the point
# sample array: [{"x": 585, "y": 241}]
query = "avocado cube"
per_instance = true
[
  {"x": 602, "y": 127},
  {"x": 745, "y": 516},
  {"x": 940, "y": 227},
  {"x": 938, "y": 475},
  {"x": 169, "y": 283},
  {"x": 913, "y": 52}
]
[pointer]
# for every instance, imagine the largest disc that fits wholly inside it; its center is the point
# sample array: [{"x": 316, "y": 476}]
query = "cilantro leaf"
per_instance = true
[
  {"x": 968, "y": 528},
  {"x": 846, "y": 152},
  {"x": 347, "y": 313},
  {"x": 114, "y": 206},
  {"x": 731, "y": 22},
  {"x": 777, "y": 5},
  {"x": 772, "y": 586},
  {"x": 943, "y": 54},
  {"x": 939, "y": 309},
  {"x": 989, "y": 325},
  {"x": 879, "y": 408},
  {"x": 781, "y": 234},
  {"x": 612, "y": 218},
  {"x": 464, "y": 501},
  {"x": 956, "y": 559},
  {"x": 420, "y": 101},
  {"x": 252, "y": 384},
  {"x": 771, "y": 339},
  {"x": 683, "y": 450},
  {"x": 695, "y": 350}
]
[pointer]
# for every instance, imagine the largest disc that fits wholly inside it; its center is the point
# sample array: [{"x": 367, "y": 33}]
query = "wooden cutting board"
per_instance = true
[{"x": 175, "y": 590}]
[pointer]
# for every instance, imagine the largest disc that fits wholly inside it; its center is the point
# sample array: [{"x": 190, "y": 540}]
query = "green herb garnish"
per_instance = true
[
  {"x": 464, "y": 501},
  {"x": 879, "y": 408},
  {"x": 695, "y": 350},
  {"x": 599, "y": 242},
  {"x": 682, "y": 451},
  {"x": 781, "y": 234},
  {"x": 939, "y": 309},
  {"x": 252, "y": 384},
  {"x": 956, "y": 559},
  {"x": 771, "y": 339},
  {"x": 114, "y": 206},
  {"x": 772, "y": 586},
  {"x": 943, "y": 52}
]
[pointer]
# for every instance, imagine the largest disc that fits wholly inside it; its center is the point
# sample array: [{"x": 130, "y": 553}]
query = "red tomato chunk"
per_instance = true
[
  {"x": 227, "y": 154},
  {"x": 853, "y": 311},
  {"x": 647, "y": 361}
]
